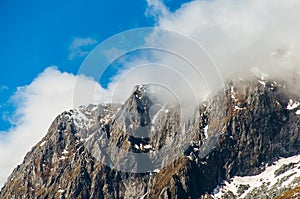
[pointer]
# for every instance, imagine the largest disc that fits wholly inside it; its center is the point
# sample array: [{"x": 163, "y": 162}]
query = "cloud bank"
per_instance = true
[{"x": 241, "y": 34}]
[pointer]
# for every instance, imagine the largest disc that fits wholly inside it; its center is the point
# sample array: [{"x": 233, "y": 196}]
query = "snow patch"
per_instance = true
[
  {"x": 216, "y": 190},
  {"x": 43, "y": 143},
  {"x": 136, "y": 146},
  {"x": 267, "y": 177},
  {"x": 262, "y": 82},
  {"x": 63, "y": 157},
  {"x": 205, "y": 131},
  {"x": 65, "y": 151},
  {"x": 190, "y": 157},
  {"x": 292, "y": 105},
  {"x": 143, "y": 196},
  {"x": 147, "y": 146},
  {"x": 61, "y": 191},
  {"x": 233, "y": 94},
  {"x": 239, "y": 108}
]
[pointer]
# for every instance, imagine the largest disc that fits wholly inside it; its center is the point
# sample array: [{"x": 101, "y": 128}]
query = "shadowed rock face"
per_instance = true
[{"x": 238, "y": 132}]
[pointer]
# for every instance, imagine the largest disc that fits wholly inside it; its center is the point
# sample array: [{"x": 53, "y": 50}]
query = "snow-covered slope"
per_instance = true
[{"x": 283, "y": 175}]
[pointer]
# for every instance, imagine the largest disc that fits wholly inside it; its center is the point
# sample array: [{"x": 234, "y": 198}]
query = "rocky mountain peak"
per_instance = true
[{"x": 143, "y": 148}]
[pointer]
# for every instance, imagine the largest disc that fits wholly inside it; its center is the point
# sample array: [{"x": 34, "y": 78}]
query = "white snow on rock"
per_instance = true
[
  {"x": 65, "y": 151},
  {"x": 104, "y": 121},
  {"x": 262, "y": 82},
  {"x": 143, "y": 196},
  {"x": 205, "y": 131},
  {"x": 61, "y": 191},
  {"x": 136, "y": 146},
  {"x": 80, "y": 118},
  {"x": 292, "y": 105},
  {"x": 152, "y": 128},
  {"x": 239, "y": 108},
  {"x": 298, "y": 112},
  {"x": 63, "y": 157},
  {"x": 85, "y": 117},
  {"x": 43, "y": 143},
  {"x": 267, "y": 177},
  {"x": 147, "y": 146},
  {"x": 138, "y": 96},
  {"x": 217, "y": 189},
  {"x": 233, "y": 94},
  {"x": 190, "y": 157}
]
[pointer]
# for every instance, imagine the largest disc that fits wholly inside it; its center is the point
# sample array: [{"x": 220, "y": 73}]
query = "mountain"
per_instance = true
[{"x": 242, "y": 143}]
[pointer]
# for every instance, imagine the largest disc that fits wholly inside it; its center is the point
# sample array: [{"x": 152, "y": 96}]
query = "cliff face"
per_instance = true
[{"x": 131, "y": 150}]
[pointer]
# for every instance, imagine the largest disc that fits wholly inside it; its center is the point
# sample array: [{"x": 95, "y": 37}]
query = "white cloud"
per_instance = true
[
  {"x": 156, "y": 9},
  {"x": 37, "y": 104},
  {"x": 3, "y": 88},
  {"x": 112, "y": 54},
  {"x": 80, "y": 47},
  {"x": 242, "y": 34}
]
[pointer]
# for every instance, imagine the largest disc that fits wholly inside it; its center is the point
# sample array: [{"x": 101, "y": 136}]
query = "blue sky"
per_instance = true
[{"x": 36, "y": 34}]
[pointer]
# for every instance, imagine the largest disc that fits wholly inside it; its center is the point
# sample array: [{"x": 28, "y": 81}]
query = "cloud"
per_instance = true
[
  {"x": 112, "y": 53},
  {"x": 156, "y": 9},
  {"x": 37, "y": 104},
  {"x": 4, "y": 88},
  {"x": 80, "y": 47},
  {"x": 240, "y": 35}
]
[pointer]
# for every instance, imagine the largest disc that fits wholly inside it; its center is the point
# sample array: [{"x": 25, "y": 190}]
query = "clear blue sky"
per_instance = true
[{"x": 36, "y": 34}]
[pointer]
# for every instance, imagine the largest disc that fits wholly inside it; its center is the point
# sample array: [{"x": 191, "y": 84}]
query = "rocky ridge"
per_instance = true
[{"x": 119, "y": 151}]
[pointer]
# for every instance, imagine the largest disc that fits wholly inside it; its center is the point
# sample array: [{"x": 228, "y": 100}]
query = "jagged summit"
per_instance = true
[{"x": 142, "y": 149}]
